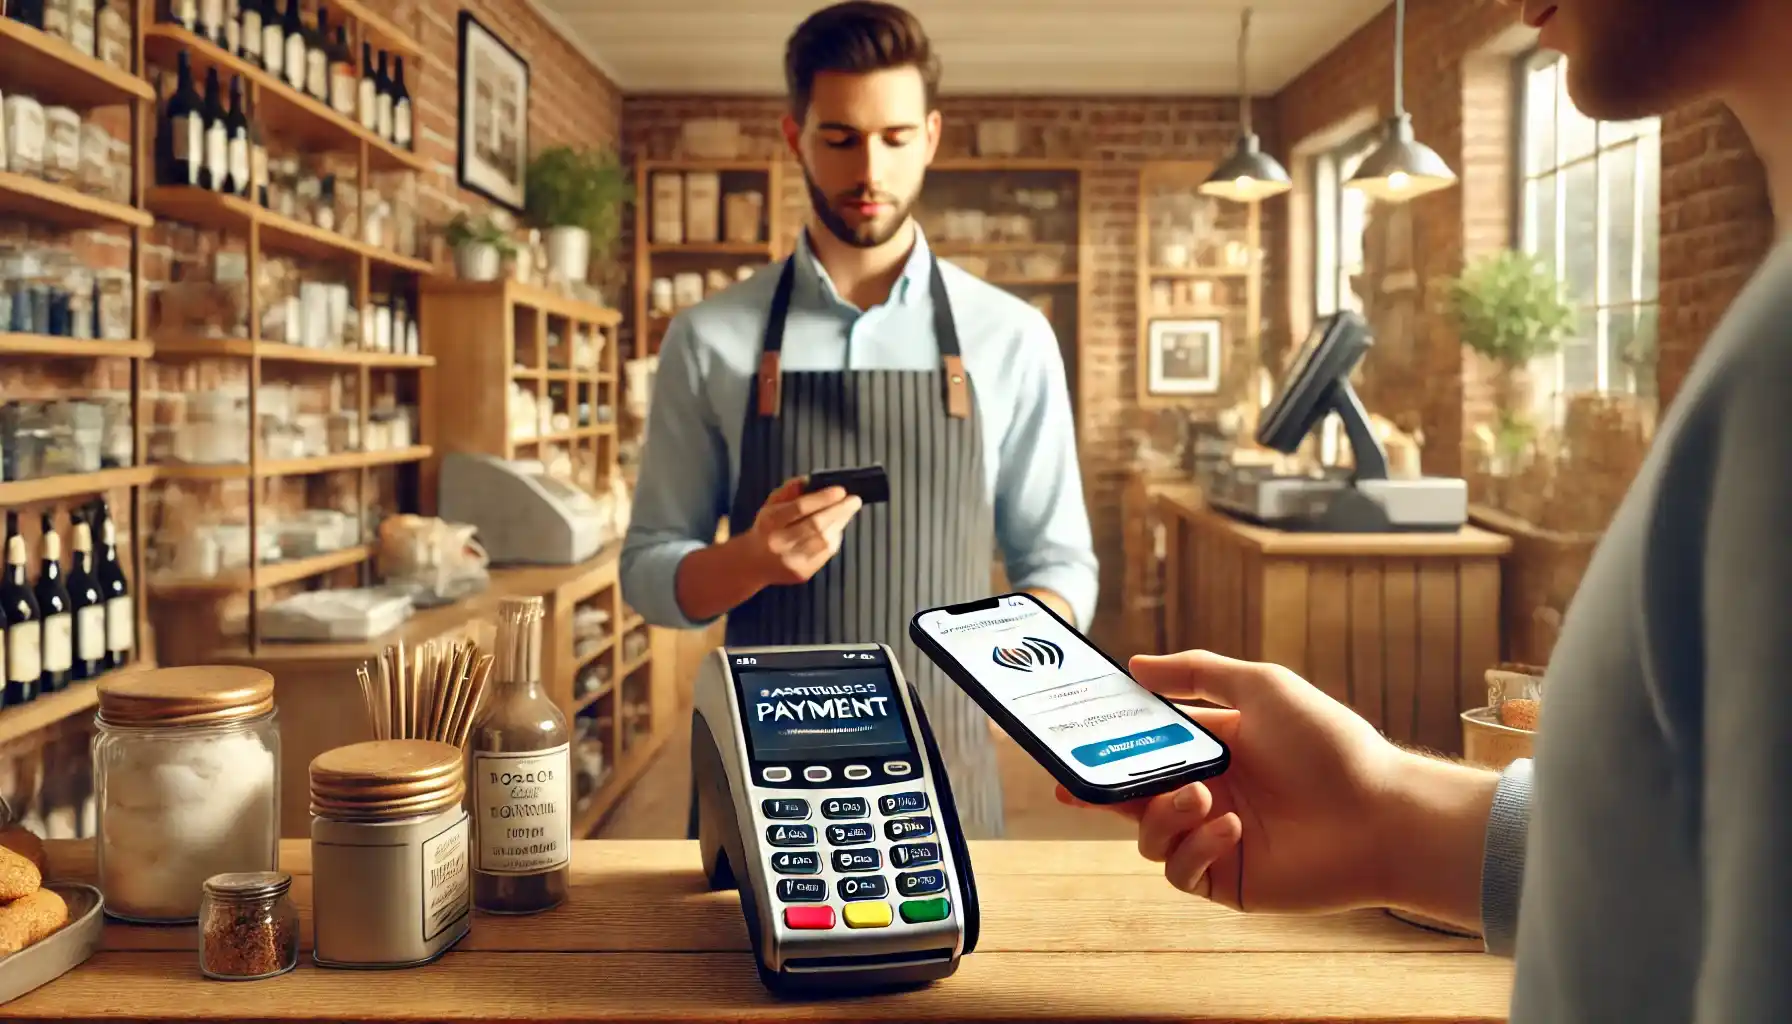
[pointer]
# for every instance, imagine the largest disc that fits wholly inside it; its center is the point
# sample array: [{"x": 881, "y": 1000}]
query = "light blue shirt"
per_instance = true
[{"x": 691, "y": 460}]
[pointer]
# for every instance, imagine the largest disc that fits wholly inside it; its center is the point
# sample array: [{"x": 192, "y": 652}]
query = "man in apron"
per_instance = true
[{"x": 861, "y": 349}]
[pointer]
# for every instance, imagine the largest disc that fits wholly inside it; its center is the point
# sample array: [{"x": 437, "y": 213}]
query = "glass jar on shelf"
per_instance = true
[{"x": 248, "y": 926}]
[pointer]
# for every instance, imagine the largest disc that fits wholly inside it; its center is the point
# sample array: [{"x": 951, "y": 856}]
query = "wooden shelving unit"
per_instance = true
[
  {"x": 38, "y": 64},
  {"x": 293, "y": 120},
  {"x": 1208, "y": 289},
  {"x": 1058, "y": 236}
]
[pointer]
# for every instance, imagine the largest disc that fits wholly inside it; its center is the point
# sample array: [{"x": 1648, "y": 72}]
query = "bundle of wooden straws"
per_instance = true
[{"x": 431, "y": 692}]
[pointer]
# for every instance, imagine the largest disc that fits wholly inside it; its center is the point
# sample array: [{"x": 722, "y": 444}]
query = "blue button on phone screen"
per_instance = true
[{"x": 1123, "y": 747}]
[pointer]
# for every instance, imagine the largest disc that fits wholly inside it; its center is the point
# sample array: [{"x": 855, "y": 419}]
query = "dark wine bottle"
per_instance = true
[
  {"x": 293, "y": 28},
  {"x": 251, "y": 30},
  {"x": 216, "y": 166},
  {"x": 344, "y": 88},
  {"x": 382, "y": 86},
  {"x": 273, "y": 39},
  {"x": 121, "y": 617},
  {"x": 236, "y": 132},
  {"x": 317, "y": 57},
  {"x": 54, "y": 605},
  {"x": 367, "y": 105},
  {"x": 89, "y": 609},
  {"x": 211, "y": 21},
  {"x": 258, "y": 162},
  {"x": 401, "y": 108},
  {"x": 19, "y": 614},
  {"x": 183, "y": 129},
  {"x": 184, "y": 13}
]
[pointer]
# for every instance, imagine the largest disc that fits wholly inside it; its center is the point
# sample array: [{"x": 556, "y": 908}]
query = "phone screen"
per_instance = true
[{"x": 1094, "y": 717}]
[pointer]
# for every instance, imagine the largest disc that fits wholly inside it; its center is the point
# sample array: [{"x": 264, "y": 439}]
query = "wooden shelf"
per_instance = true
[
  {"x": 625, "y": 771},
  {"x": 1033, "y": 282},
  {"x": 51, "y": 708},
  {"x": 270, "y": 574},
  {"x": 31, "y": 198},
  {"x": 279, "y": 352},
  {"x": 382, "y": 33},
  {"x": 1008, "y": 164},
  {"x": 50, "y": 69},
  {"x": 581, "y": 703},
  {"x": 274, "y": 468},
  {"x": 219, "y": 212},
  {"x": 517, "y": 293},
  {"x": 52, "y": 347},
  {"x": 991, "y": 248},
  {"x": 55, "y": 488},
  {"x": 719, "y": 166},
  {"x": 1197, "y": 273},
  {"x": 711, "y": 249},
  {"x": 288, "y": 114}
]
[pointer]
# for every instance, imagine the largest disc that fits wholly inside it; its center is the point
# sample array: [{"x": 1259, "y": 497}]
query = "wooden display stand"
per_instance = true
[{"x": 1402, "y": 627}]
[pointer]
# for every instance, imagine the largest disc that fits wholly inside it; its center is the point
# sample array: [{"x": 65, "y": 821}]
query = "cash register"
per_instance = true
[
  {"x": 524, "y": 515},
  {"x": 1358, "y": 500},
  {"x": 821, "y": 797}
]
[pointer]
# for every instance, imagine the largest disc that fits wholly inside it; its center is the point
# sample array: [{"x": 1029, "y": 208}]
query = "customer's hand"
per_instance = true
[
  {"x": 794, "y": 534},
  {"x": 1317, "y": 810}
]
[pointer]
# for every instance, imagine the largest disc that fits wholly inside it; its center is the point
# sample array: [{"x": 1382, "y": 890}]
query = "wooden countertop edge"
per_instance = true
[
  {"x": 1470, "y": 541},
  {"x": 537, "y": 581}
]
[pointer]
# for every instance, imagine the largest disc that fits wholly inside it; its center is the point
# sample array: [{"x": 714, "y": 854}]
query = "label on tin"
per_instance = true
[
  {"x": 447, "y": 879},
  {"x": 525, "y": 823}
]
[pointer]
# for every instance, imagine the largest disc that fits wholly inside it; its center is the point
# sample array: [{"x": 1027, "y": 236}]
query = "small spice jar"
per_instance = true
[
  {"x": 391, "y": 874},
  {"x": 186, "y": 765},
  {"x": 248, "y": 926}
]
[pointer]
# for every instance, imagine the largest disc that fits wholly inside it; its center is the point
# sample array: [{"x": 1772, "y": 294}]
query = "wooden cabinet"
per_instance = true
[{"x": 1399, "y": 626}]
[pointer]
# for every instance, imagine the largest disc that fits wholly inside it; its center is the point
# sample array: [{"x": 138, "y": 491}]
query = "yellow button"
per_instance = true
[{"x": 867, "y": 915}]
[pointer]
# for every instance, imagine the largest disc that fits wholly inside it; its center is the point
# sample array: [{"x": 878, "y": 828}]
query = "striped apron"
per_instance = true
[{"x": 931, "y": 544}]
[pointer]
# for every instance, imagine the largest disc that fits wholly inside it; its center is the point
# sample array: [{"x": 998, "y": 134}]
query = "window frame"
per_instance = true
[{"x": 1328, "y": 174}]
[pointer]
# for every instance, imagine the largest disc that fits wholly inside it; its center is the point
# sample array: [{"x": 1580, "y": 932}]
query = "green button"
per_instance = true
[{"x": 922, "y": 911}]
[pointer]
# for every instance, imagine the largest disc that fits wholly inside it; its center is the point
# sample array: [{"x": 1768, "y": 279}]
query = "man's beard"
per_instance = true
[{"x": 869, "y": 234}]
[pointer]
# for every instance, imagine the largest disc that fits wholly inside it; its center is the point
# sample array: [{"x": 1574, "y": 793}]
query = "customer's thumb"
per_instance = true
[{"x": 1200, "y": 675}]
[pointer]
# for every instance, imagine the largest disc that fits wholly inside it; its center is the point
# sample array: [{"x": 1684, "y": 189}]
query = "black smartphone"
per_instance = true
[
  {"x": 870, "y": 484},
  {"x": 1065, "y": 701}
]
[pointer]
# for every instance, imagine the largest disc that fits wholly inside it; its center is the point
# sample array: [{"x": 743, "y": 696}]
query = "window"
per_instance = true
[
  {"x": 1340, "y": 217},
  {"x": 1591, "y": 200}
]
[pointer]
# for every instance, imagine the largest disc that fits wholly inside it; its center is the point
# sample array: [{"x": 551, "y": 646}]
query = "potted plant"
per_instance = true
[
  {"x": 1509, "y": 307},
  {"x": 576, "y": 196},
  {"x": 481, "y": 245}
]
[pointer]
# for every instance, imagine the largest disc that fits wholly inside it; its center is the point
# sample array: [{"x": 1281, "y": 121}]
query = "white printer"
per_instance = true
[{"x": 524, "y": 516}]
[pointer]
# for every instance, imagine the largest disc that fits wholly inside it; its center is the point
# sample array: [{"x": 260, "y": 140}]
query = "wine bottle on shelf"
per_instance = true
[
  {"x": 217, "y": 137},
  {"x": 24, "y": 626},
  {"x": 258, "y": 162},
  {"x": 54, "y": 604},
  {"x": 317, "y": 57},
  {"x": 344, "y": 89},
  {"x": 293, "y": 27},
  {"x": 382, "y": 87},
  {"x": 84, "y": 602},
  {"x": 368, "y": 104},
  {"x": 401, "y": 108},
  {"x": 121, "y": 617},
  {"x": 249, "y": 31},
  {"x": 184, "y": 13},
  {"x": 236, "y": 131},
  {"x": 211, "y": 21},
  {"x": 30, "y": 12},
  {"x": 273, "y": 39},
  {"x": 233, "y": 27},
  {"x": 182, "y": 132}
]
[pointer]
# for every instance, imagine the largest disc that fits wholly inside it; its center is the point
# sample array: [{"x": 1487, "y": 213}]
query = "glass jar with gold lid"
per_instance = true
[
  {"x": 186, "y": 768},
  {"x": 391, "y": 880}
]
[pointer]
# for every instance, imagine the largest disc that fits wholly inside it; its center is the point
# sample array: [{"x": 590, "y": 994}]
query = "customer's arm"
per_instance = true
[
  {"x": 1041, "y": 520},
  {"x": 680, "y": 493},
  {"x": 1747, "y": 733}
]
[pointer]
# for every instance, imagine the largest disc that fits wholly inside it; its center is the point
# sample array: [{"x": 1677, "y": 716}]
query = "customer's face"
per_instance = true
[
  {"x": 864, "y": 145},
  {"x": 1629, "y": 59}
]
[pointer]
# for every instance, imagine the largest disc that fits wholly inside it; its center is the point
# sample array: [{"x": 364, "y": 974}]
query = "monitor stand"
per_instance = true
[{"x": 1363, "y": 501}]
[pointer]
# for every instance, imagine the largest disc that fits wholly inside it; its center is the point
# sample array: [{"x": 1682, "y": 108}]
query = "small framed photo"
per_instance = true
[
  {"x": 494, "y": 115},
  {"x": 1183, "y": 358}
]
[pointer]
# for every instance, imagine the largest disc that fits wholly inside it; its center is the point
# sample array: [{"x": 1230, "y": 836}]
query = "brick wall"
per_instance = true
[{"x": 1117, "y": 135}]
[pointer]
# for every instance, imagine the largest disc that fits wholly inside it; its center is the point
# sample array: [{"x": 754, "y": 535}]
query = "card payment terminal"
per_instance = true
[{"x": 821, "y": 798}]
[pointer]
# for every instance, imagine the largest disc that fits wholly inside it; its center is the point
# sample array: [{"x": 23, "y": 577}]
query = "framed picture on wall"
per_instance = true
[
  {"x": 494, "y": 115},
  {"x": 1183, "y": 357}
]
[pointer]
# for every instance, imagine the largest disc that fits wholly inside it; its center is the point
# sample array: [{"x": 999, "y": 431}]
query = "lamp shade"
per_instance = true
[
  {"x": 1248, "y": 175},
  {"x": 1402, "y": 167}
]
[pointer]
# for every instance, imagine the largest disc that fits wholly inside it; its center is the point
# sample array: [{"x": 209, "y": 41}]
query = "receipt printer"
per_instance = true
[{"x": 821, "y": 797}]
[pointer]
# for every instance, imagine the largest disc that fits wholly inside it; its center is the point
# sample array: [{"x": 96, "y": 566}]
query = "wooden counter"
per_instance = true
[
  {"x": 321, "y": 706},
  {"x": 1071, "y": 932},
  {"x": 1401, "y": 626}
]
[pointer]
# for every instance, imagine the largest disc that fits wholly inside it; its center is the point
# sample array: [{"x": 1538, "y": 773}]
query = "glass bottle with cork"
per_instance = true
[{"x": 520, "y": 766}]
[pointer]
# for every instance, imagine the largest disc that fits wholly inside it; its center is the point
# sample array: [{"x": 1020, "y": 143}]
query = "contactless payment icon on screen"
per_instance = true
[{"x": 1028, "y": 654}]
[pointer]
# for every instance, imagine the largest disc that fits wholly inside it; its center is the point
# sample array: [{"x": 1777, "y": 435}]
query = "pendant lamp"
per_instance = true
[
  {"x": 1249, "y": 174},
  {"x": 1402, "y": 167}
]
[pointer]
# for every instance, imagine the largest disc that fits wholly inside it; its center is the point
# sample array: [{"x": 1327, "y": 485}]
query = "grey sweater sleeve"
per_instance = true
[{"x": 1502, "y": 863}]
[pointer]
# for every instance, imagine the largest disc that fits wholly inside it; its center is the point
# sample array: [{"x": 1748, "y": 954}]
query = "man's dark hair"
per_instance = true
[{"x": 856, "y": 37}]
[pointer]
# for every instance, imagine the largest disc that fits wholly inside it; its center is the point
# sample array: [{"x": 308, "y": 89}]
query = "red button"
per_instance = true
[{"x": 820, "y": 918}]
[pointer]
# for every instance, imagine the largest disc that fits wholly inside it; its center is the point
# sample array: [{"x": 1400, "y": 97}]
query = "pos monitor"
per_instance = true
[{"x": 1364, "y": 500}]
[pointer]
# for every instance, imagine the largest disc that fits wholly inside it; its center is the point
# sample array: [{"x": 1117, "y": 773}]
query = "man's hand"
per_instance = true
[
  {"x": 1317, "y": 812},
  {"x": 795, "y": 534}
]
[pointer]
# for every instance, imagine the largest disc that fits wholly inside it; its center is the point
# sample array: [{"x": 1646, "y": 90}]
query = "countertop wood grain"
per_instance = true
[{"x": 1072, "y": 931}]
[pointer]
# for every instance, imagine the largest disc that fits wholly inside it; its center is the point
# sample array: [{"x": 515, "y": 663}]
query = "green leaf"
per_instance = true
[
  {"x": 1509, "y": 307},
  {"x": 579, "y": 188}
]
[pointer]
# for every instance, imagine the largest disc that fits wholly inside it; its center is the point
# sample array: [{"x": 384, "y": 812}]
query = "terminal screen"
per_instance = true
[{"x": 822, "y": 712}]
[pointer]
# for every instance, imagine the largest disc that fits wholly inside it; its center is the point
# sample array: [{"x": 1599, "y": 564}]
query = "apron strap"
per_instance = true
[{"x": 769, "y": 383}]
